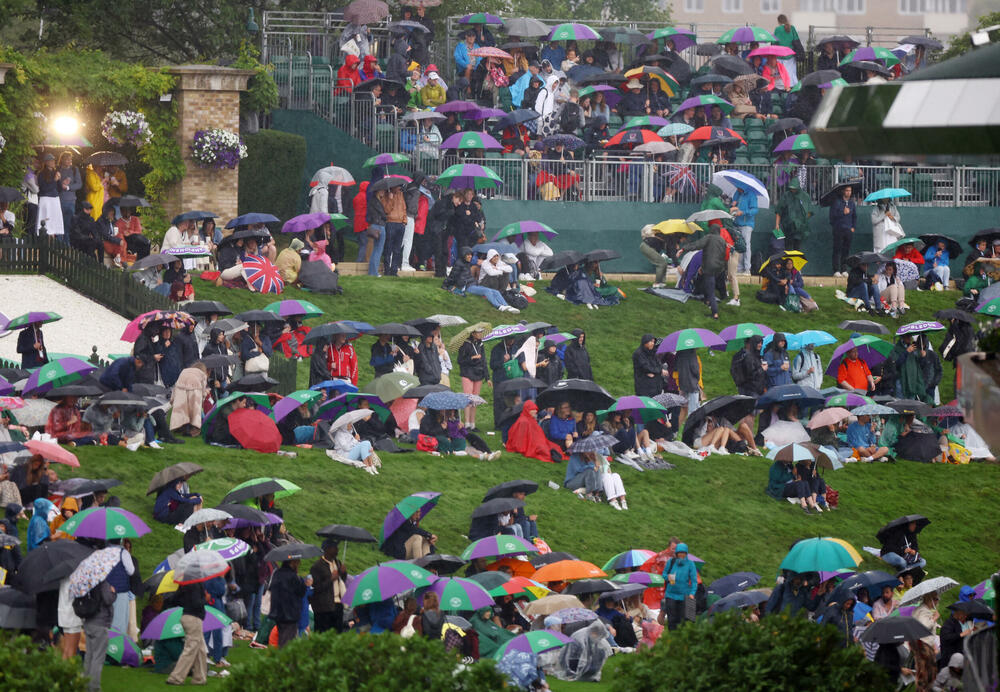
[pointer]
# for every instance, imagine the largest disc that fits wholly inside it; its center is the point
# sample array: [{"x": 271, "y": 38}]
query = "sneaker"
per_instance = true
[
  {"x": 806, "y": 510},
  {"x": 434, "y": 453},
  {"x": 735, "y": 302},
  {"x": 224, "y": 663},
  {"x": 782, "y": 308},
  {"x": 623, "y": 502},
  {"x": 818, "y": 509},
  {"x": 513, "y": 309},
  {"x": 561, "y": 296},
  {"x": 494, "y": 456},
  {"x": 407, "y": 268},
  {"x": 155, "y": 445},
  {"x": 580, "y": 493},
  {"x": 461, "y": 453},
  {"x": 614, "y": 503},
  {"x": 630, "y": 454}
]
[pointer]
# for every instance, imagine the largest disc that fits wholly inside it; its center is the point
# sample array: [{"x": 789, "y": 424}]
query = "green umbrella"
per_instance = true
[
  {"x": 736, "y": 335},
  {"x": 391, "y": 385},
  {"x": 258, "y": 487},
  {"x": 258, "y": 399},
  {"x": 643, "y": 408},
  {"x": 384, "y": 581},
  {"x": 747, "y": 34},
  {"x": 469, "y": 176},
  {"x": 642, "y": 121},
  {"x": 292, "y": 401},
  {"x": 890, "y": 249},
  {"x": 818, "y": 554},
  {"x": 990, "y": 307},
  {"x": 536, "y": 641},
  {"x": 385, "y": 160},
  {"x": 848, "y": 400},
  {"x": 516, "y": 229},
  {"x": 336, "y": 407},
  {"x": 302, "y": 309},
  {"x": 871, "y": 53},
  {"x": 650, "y": 578},
  {"x": 32, "y": 318},
  {"x": 456, "y": 593},
  {"x": 123, "y": 650},
  {"x": 873, "y": 342}
]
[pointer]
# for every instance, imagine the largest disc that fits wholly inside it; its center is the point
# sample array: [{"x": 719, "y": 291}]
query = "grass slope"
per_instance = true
[{"x": 717, "y": 505}]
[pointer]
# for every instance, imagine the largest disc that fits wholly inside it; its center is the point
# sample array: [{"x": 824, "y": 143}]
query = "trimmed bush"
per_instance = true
[
  {"x": 25, "y": 668},
  {"x": 729, "y": 653},
  {"x": 271, "y": 174},
  {"x": 362, "y": 663}
]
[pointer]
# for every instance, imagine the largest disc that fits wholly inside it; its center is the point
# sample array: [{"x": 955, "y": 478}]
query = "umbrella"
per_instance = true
[
  {"x": 783, "y": 393},
  {"x": 736, "y": 335},
  {"x": 469, "y": 176},
  {"x": 366, "y": 11},
  {"x": 334, "y": 387},
  {"x": 105, "y": 523},
  {"x": 498, "y": 505},
  {"x": 900, "y": 523},
  {"x": 517, "y": 229},
  {"x": 536, "y": 642},
  {"x": 471, "y": 140},
  {"x": 305, "y": 222},
  {"x": 333, "y": 175},
  {"x": 634, "y": 136},
  {"x": 895, "y": 630},
  {"x": 491, "y": 580},
  {"x": 122, "y": 399},
  {"x": 628, "y": 559},
  {"x": 589, "y": 586},
  {"x": 872, "y": 580},
  {"x": 204, "y": 516},
  {"x": 871, "y": 350},
  {"x": 258, "y": 487},
  {"x": 835, "y": 192},
  {"x": 396, "y": 329},
  {"x": 572, "y": 31},
  {"x": 937, "y": 585},
  {"x": 888, "y": 193},
  {"x": 681, "y": 38},
  {"x": 456, "y": 593},
  {"x": 248, "y": 515},
  {"x": 549, "y": 558},
  {"x": 386, "y": 160},
  {"x": 51, "y": 452},
  {"x": 199, "y": 566},
  {"x": 952, "y": 245},
  {"x": 289, "y": 308},
  {"x": 567, "y": 570},
  {"x": 262, "y": 275},
  {"x": 388, "y": 182},
  {"x": 292, "y": 401},
  {"x": 457, "y": 107},
  {"x": 666, "y": 80},
  {"x": 583, "y": 395},
  {"x": 730, "y": 180},
  {"x": 508, "y": 489},
  {"x": 863, "y": 326},
  {"x": 439, "y": 563},
  {"x": 406, "y": 26},
  {"x": 17, "y": 610},
  {"x": 682, "y": 226},
  {"x": 731, "y": 65},
  {"x": 339, "y": 405},
  {"x": 794, "y": 452},
  {"x": 447, "y": 401},
  {"x": 796, "y": 143},
  {"x": 44, "y": 567},
  {"x": 123, "y": 650},
  {"x": 670, "y": 400},
  {"x": 350, "y": 418},
  {"x": 293, "y": 551},
  {"x": 910, "y": 407},
  {"x": 871, "y": 54},
  {"x": 815, "y": 554},
  {"x": 151, "y": 261},
  {"x": 391, "y": 386},
  {"x": 93, "y": 570},
  {"x": 733, "y": 583},
  {"x": 828, "y": 416},
  {"x": 251, "y": 219},
  {"x": 563, "y": 140},
  {"x": 641, "y": 409},
  {"x": 596, "y": 442},
  {"x": 230, "y": 326},
  {"x": 690, "y": 338},
  {"x": 345, "y": 532},
  {"x": 384, "y": 581},
  {"x": 601, "y": 255},
  {"x": 946, "y": 412},
  {"x": 873, "y": 410},
  {"x": 107, "y": 158},
  {"x": 423, "y": 115},
  {"x": 561, "y": 259},
  {"x": 497, "y": 546},
  {"x": 747, "y": 34},
  {"x": 731, "y": 407},
  {"x": 167, "y": 625},
  {"x": 776, "y": 51},
  {"x": 784, "y": 124},
  {"x": 481, "y": 18},
  {"x": 56, "y": 373},
  {"x": 738, "y": 599},
  {"x": 955, "y": 314},
  {"x": 10, "y": 194},
  {"x": 976, "y": 609},
  {"x": 421, "y": 502},
  {"x": 172, "y": 473},
  {"x": 705, "y": 101},
  {"x": 254, "y": 430},
  {"x": 707, "y": 215}
]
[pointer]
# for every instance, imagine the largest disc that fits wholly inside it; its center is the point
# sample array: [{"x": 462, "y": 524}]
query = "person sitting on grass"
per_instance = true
[
  {"x": 583, "y": 476},
  {"x": 717, "y": 435},
  {"x": 562, "y": 424},
  {"x": 782, "y": 484},
  {"x": 805, "y": 471},
  {"x": 434, "y": 425},
  {"x": 633, "y": 443},
  {"x": 462, "y": 281},
  {"x": 347, "y": 443},
  {"x": 527, "y": 437},
  {"x": 456, "y": 430},
  {"x": 861, "y": 438},
  {"x": 172, "y": 505}
]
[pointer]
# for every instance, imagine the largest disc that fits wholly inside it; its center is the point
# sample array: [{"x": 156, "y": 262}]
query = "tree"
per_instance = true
[{"x": 962, "y": 43}]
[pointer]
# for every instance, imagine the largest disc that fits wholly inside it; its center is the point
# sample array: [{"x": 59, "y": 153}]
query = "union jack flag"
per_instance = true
[
  {"x": 682, "y": 178},
  {"x": 262, "y": 275}
]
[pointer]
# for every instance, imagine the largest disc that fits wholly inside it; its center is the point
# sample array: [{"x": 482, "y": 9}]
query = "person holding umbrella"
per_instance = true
[
  {"x": 329, "y": 584},
  {"x": 31, "y": 346},
  {"x": 347, "y": 443}
]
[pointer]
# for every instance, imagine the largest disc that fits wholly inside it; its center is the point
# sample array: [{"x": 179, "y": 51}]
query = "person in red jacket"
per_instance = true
[
  {"x": 369, "y": 70},
  {"x": 360, "y": 203},
  {"x": 342, "y": 360},
  {"x": 348, "y": 75},
  {"x": 910, "y": 253},
  {"x": 527, "y": 437}
]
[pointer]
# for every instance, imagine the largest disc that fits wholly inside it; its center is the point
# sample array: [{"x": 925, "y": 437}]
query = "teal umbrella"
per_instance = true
[
  {"x": 890, "y": 249},
  {"x": 887, "y": 193},
  {"x": 816, "y": 554}
]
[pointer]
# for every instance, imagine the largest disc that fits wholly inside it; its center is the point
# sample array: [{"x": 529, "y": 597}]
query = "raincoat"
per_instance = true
[
  {"x": 38, "y": 527},
  {"x": 526, "y": 436}
]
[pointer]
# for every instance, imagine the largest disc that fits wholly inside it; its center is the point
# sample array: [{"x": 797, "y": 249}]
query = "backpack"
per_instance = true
[
  {"x": 739, "y": 243},
  {"x": 89, "y": 604}
]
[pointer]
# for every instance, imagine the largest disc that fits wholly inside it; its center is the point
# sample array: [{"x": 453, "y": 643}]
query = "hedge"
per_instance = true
[{"x": 271, "y": 173}]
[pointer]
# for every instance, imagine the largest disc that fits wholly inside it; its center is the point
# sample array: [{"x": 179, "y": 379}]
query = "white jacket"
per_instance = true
[{"x": 806, "y": 359}]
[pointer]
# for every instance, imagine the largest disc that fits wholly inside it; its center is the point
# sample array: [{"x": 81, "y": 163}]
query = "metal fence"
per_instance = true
[
  {"x": 980, "y": 649},
  {"x": 317, "y": 33}
]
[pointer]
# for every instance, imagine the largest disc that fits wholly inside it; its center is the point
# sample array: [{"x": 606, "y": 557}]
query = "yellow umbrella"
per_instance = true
[
  {"x": 167, "y": 584},
  {"x": 455, "y": 342},
  {"x": 676, "y": 226},
  {"x": 855, "y": 555},
  {"x": 798, "y": 259}
]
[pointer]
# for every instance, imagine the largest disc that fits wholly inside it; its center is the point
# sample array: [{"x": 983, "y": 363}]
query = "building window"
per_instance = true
[
  {"x": 694, "y": 5},
  {"x": 946, "y": 6},
  {"x": 911, "y": 6},
  {"x": 732, "y": 6},
  {"x": 770, "y": 5},
  {"x": 838, "y": 6},
  {"x": 850, "y": 6}
]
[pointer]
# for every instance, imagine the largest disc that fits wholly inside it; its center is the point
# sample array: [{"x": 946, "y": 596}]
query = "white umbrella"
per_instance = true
[
  {"x": 333, "y": 174},
  {"x": 728, "y": 181},
  {"x": 205, "y": 515},
  {"x": 707, "y": 215},
  {"x": 937, "y": 585},
  {"x": 35, "y": 412},
  {"x": 198, "y": 566},
  {"x": 448, "y": 320},
  {"x": 350, "y": 418}
]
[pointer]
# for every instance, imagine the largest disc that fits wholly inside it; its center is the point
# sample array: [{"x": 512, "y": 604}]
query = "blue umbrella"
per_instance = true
[
  {"x": 193, "y": 216},
  {"x": 334, "y": 387},
  {"x": 873, "y": 580},
  {"x": 816, "y": 337},
  {"x": 674, "y": 130},
  {"x": 887, "y": 193},
  {"x": 252, "y": 218},
  {"x": 733, "y": 583},
  {"x": 447, "y": 401},
  {"x": 861, "y": 611},
  {"x": 784, "y": 393},
  {"x": 740, "y": 599},
  {"x": 362, "y": 327}
]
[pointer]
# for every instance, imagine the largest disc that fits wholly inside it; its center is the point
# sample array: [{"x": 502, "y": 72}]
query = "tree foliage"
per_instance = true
[
  {"x": 24, "y": 668},
  {"x": 575, "y": 10},
  {"x": 962, "y": 43},
  {"x": 728, "y": 652}
]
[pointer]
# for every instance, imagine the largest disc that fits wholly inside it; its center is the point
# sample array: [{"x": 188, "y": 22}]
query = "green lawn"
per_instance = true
[{"x": 717, "y": 505}]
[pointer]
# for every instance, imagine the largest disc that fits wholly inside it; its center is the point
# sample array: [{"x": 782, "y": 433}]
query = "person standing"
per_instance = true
[
  {"x": 472, "y": 367},
  {"x": 329, "y": 578},
  {"x": 788, "y": 37},
  {"x": 287, "y": 591},
  {"x": 394, "y": 204},
  {"x": 681, "y": 579},
  {"x": 118, "y": 578},
  {"x": 791, "y": 217},
  {"x": 688, "y": 370},
  {"x": 49, "y": 207},
  {"x": 69, "y": 182},
  {"x": 843, "y": 219},
  {"x": 576, "y": 357},
  {"x": 95, "y": 629},
  {"x": 748, "y": 370},
  {"x": 744, "y": 208},
  {"x": 647, "y": 370},
  {"x": 31, "y": 346},
  {"x": 807, "y": 369},
  {"x": 194, "y": 656}
]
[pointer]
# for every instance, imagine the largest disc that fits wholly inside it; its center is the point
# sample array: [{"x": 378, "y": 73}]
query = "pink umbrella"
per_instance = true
[
  {"x": 828, "y": 416},
  {"x": 11, "y": 402},
  {"x": 401, "y": 410},
  {"x": 490, "y": 52},
  {"x": 52, "y": 452},
  {"x": 133, "y": 330},
  {"x": 776, "y": 50}
]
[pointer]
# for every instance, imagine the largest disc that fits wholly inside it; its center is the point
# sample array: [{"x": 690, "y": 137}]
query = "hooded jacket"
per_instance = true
[
  {"x": 747, "y": 370},
  {"x": 685, "y": 576},
  {"x": 395, "y": 68},
  {"x": 68, "y": 503},
  {"x": 348, "y": 75},
  {"x": 369, "y": 68},
  {"x": 461, "y": 272},
  {"x": 38, "y": 527},
  {"x": 468, "y": 367},
  {"x": 577, "y": 359},
  {"x": 645, "y": 362},
  {"x": 374, "y": 211},
  {"x": 526, "y": 436},
  {"x": 427, "y": 364},
  {"x": 713, "y": 252},
  {"x": 775, "y": 357},
  {"x": 807, "y": 358}
]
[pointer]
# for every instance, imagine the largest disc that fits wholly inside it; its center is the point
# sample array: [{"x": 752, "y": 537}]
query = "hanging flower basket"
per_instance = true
[
  {"x": 126, "y": 127},
  {"x": 217, "y": 148}
]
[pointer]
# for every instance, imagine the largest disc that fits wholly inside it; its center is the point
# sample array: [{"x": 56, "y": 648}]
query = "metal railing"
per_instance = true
[{"x": 317, "y": 33}]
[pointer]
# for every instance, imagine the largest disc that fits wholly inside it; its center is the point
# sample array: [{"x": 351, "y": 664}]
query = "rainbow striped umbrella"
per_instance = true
[{"x": 628, "y": 559}]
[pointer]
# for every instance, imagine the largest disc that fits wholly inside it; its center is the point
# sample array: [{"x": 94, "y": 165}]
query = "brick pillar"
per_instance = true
[{"x": 207, "y": 96}]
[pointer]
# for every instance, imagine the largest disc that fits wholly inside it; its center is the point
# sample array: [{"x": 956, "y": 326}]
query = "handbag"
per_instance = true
[
  {"x": 236, "y": 609},
  {"x": 351, "y": 48},
  {"x": 512, "y": 368},
  {"x": 792, "y": 303},
  {"x": 258, "y": 363},
  {"x": 408, "y": 629},
  {"x": 690, "y": 609}
]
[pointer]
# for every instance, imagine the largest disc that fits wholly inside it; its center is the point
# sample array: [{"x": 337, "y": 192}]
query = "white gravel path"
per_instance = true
[{"x": 84, "y": 323}]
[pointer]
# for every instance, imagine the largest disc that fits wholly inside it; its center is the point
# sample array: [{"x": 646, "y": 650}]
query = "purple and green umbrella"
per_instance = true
[
  {"x": 471, "y": 140},
  {"x": 990, "y": 307},
  {"x": 682, "y": 38},
  {"x": 518, "y": 229},
  {"x": 497, "y": 546},
  {"x": 645, "y": 121},
  {"x": 384, "y": 581},
  {"x": 484, "y": 114},
  {"x": 572, "y": 31},
  {"x": 32, "y": 318},
  {"x": 294, "y": 308},
  {"x": 747, "y": 34},
  {"x": 307, "y": 222},
  {"x": 736, "y": 335},
  {"x": 259, "y": 487},
  {"x": 292, "y": 401},
  {"x": 105, "y": 523},
  {"x": 587, "y": 91},
  {"x": 338, "y": 406},
  {"x": 123, "y": 650},
  {"x": 871, "y": 350},
  {"x": 559, "y": 337},
  {"x": 463, "y": 176},
  {"x": 422, "y": 502},
  {"x": 706, "y": 101},
  {"x": 534, "y": 642},
  {"x": 872, "y": 53},
  {"x": 167, "y": 625},
  {"x": 5, "y": 388},
  {"x": 920, "y": 326},
  {"x": 481, "y": 18},
  {"x": 642, "y": 409},
  {"x": 228, "y": 548},
  {"x": 456, "y": 593},
  {"x": 648, "y": 578},
  {"x": 386, "y": 160},
  {"x": 457, "y": 107},
  {"x": 985, "y": 590},
  {"x": 628, "y": 559},
  {"x": 796, "y": 143},
  {"x": 847, "y": 400},
  {"x": 57, "y": 373},
  {"x": 692, "y": 337}
]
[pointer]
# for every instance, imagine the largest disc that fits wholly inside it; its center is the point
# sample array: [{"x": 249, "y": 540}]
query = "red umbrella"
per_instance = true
[
  {"x": 713, "y": 133},
  {"x": 634, "y": 136},
  {"x": 254, "y": 430},
  {"x": 52, "y": 452}
]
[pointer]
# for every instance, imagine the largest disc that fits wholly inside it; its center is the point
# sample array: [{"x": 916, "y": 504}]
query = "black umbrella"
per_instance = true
[
  {"x": 249, "y": 514},
  {"x": 901, "y": 522},
  {"x": 79, "y": 487},
  {"x": 498, "y": 505},
  {"x": 44, "y": 567},
  {"x": 976, "y": 608},
  {"x": 130, "y": 201},
  {"x": 895, "y": 630},
  {"x": 250, "y": 492},
  {"x": 732, "y": 583},
  {"x": 144, "y": 389},
  {"x": 583, "y": 395},
  {"x": 387, "y": 183},
  {"x": 17, "y": 610},
  {"x": 198, "y": 308},
  {"x": 395, "y": 329},
  {"x": 785, "y": 124},
  {"x": 784, "y": 393},
  {"x": 293, "y": 551},
  {"x": 509, "y": 488},
  {"x": 583, "y": 71},
  {"x": 259, "y": 316},
  {"x": 731, "y": 407},
  {"x": 835, "y": 192},
  {"x": 953, "y": 246},
  {"x": 521, "y": 115},
  {"x": 231, "y": 325},
  {"x": 841, "y": 41},
  {"x": 88, "y": 386},
  {"x": 872, "y": 580},
  {"x": 820, "y": 77},
  {"x": 254, "y": 382},
  {"x": 107, "y": 158},
  {"x": 10, "y": 194},
  {"x": 509, "y": 415},
  {"x": 604, "y": 78},
  {"x": 924, "y": 41},
  {"x": 955, "y": 314},
  {"x": 708, "y": 49},
  {"x": 731, "y": 66},
  {"x": 987, "y": 234},
  {"x": 601, "y": 255},
  {"x": 588, "y": 586},
  {"x": 562, "y": 259},
  {"x": 423, "y": 390},
  {"x": 549, "y": 558},
  {"x": 511, "y": 45},
  {"x": 424, "y": 325},
  {"x": 517, "y": 384},
  {"x": 860, "y": 258},
  {"x": 370, "y": 84},
  {"x": 122, "y": 399},
  {"x": 219, "y": 360},
  {"x": 910, "y": 406},
  {"x": 345, "y": 532},
  {"x": 440, "y": 563},
  {"x": 193, "y": 216},
  {"x": 243, "y": 234},
  {"x": 740, "y": 599},
  {"x": 171, "y": 474},
  {"x": 863, "y": 326},
  {"x": 404, "y": 25},
  {"x": 328, "y": 331},
  {"x": 711, "y": 79}
]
